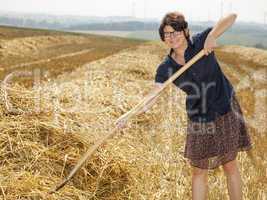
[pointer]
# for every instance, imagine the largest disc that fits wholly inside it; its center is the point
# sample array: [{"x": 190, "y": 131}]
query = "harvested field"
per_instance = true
[{"x": 45, "y": 129}]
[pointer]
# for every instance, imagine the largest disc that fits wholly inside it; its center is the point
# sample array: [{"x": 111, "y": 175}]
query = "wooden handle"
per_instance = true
[{"x": 131, "y": 113}]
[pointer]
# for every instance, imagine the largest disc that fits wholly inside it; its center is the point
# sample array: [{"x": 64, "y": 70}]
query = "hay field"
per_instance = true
[
  {"x": 46, "y": 128},
  {"x": 54, "y": 52}
]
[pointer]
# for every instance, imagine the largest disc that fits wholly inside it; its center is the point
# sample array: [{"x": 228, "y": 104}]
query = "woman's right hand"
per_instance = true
[{"x": 121, "y": 122}]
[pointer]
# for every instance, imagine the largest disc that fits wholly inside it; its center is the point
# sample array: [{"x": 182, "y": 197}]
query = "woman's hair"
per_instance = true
[{"x": 176, "y": 20}]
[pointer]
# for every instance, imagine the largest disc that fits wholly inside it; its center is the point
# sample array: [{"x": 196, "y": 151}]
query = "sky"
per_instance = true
[{"x": 194, "y": 10}]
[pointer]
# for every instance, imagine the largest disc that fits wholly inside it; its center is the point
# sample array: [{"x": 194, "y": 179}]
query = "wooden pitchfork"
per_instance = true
[{"x": 129, "y": 114}]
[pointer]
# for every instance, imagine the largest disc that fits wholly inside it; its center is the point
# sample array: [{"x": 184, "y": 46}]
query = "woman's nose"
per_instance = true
[{"x": 171, "y": 35}]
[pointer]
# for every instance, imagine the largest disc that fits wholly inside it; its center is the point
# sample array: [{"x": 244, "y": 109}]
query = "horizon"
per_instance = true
[
  {"x": 107, "y": 16},
  {"x": 212, "y": 10}
]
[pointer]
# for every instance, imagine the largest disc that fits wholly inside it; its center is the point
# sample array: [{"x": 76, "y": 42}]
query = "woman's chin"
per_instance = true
[{"x": 174, "y": 46}]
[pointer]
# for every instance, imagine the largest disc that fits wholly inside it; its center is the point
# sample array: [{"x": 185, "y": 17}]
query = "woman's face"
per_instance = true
[{"x": 173, "y": 39}]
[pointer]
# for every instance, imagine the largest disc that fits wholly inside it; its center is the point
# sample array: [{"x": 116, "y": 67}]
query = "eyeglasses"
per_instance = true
[{"x": 173, "y": 33}]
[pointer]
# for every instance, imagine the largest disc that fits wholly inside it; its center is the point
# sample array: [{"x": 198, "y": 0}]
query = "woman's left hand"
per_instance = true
[{"x": 210, "y": 44}]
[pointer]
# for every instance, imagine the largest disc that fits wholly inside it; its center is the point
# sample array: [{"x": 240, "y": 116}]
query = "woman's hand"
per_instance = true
[
  {"x": 210, "y": 44},
  {"x": 121, "y": 122}
]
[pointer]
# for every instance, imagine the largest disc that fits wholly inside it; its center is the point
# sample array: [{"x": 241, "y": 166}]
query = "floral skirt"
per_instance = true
[{"x": 211, "y": 144}]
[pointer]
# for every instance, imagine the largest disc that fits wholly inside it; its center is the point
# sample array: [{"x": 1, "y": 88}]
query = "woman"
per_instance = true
[{"x": 216, "y": 130}]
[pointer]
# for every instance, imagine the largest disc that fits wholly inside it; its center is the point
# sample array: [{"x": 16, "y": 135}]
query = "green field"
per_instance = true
[{"x": 250, "y": 39}]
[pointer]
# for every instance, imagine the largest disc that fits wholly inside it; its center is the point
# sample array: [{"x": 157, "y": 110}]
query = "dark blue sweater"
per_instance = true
[{"x": 208, "y": 91}]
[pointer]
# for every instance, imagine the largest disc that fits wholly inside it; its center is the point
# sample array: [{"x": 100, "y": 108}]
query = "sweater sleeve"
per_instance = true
[
  {"x": 161, "y": 74},
  {"x": 199, "y": 38}
]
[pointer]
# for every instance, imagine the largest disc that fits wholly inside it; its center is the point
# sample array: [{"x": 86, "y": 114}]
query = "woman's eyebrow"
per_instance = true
[{"x": 169, "y": 32}]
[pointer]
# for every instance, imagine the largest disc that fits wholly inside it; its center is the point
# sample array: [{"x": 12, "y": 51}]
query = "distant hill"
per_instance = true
[
  {"x": 35, "y": 20},
  {"x": 245, "y": 34}
]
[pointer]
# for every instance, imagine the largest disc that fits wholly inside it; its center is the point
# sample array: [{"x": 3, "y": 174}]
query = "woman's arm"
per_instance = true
[{"x": 220, "y": 27}]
